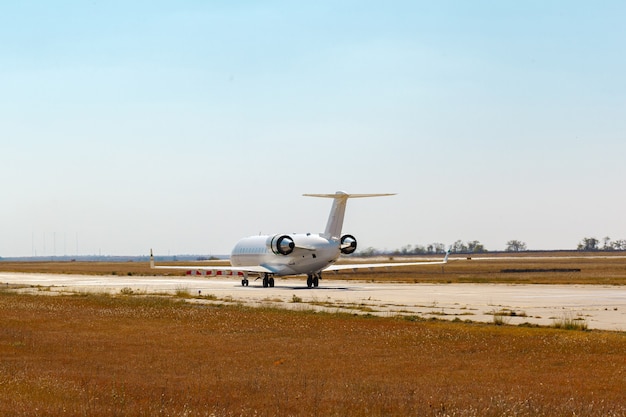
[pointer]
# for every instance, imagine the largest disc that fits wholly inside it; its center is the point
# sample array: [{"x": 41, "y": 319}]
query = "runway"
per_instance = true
[{"x": 601, "y": 307}]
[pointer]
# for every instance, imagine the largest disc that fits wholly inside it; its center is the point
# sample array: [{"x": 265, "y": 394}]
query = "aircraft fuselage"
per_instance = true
[{"x": 288, "y": 254}]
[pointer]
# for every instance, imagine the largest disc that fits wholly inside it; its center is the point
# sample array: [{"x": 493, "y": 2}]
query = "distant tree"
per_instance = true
[
  {"x": 619, "y": 244},
  {"x": 369, "y": 251},
  {"x": 459, "y": 246},
  {"x": 475, "y": 247},
  {"x": 436, "y": 248},
  {"x": 418, "y": 250},
  {"x": 409, "y": 250},
  {"x": 607, "y": 243},
  {"x": 588, "y": 244},
  {"x": 515, "y": 246}
]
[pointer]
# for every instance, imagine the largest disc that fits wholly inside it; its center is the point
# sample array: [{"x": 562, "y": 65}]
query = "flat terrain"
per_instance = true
[
  {"x": 594, "y": 268},
  {"x": 116, "y": 340},
  {"x": 595, "y": 306},
  {"x": 587, "y": 287},
  {"x": 103, "y": 355}
]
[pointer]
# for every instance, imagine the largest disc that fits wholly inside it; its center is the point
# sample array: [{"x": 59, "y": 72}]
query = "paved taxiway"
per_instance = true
[{"x": 602, "y": 307}]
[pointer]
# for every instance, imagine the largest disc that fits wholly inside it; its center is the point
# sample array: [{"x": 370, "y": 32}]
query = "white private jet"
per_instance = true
[{"x": 297, "y": 253}]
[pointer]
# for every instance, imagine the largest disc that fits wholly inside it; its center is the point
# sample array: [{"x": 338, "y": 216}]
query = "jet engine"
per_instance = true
[
  {"x": 281, "y": 245},
  {"x": 348, "y": 244}
]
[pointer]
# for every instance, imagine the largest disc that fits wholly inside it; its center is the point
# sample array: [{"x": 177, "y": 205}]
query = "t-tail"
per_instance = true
[{"x": 338, "y": 210}]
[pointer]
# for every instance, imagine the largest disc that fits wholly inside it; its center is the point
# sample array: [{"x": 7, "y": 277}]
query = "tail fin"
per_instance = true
[
  {"x": 151, "y": 260},
  {"x": 338, "y": 210}
]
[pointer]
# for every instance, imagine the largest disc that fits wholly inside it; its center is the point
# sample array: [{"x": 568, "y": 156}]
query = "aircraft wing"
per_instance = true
[
  {"x": 344, "y": 267},
  {"x": 213, "y": 268},
  {"x": 256, "y": 269}
]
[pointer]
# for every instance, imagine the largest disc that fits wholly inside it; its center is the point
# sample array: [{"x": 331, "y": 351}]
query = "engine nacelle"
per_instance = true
[
  {"x": 281, "y": 244},
  {"x": 348, "y": 244}
]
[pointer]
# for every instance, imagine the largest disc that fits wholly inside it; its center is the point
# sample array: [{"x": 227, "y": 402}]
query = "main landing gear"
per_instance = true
[
  {"x": 313, "y": 280},
  {"x": 268, "y": 281}
]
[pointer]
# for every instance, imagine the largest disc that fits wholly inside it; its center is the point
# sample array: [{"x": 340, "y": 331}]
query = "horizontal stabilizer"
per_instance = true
[
  {"x": 338, "y": 210},
  {"x": 341, "y": 194}
]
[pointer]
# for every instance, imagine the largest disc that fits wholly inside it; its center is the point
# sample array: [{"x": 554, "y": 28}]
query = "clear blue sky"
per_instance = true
[{"x": 186, "y": 125}]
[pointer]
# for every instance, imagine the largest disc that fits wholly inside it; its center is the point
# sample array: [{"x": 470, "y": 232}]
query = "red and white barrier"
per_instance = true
[{"x": 214, "y": 272}]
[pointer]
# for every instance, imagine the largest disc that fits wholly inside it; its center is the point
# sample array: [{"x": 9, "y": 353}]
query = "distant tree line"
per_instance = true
[
  {"x": 459, "y": 246},
  {"x": 593, "y": 244},
  {"x": 587, "y": 244},
  {"x": 474, "y": 246},
  {"x": 432, "y": 248}
]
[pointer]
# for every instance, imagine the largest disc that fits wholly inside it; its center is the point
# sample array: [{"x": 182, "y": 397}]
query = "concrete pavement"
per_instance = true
[{"x": 601, "y": 307}]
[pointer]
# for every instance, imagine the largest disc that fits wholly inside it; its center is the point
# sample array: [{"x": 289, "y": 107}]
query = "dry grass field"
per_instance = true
[
  {"x": 610, "y": 270},
  {"x": 102, "y": 355},
  {"x": 139, "y": 355}
]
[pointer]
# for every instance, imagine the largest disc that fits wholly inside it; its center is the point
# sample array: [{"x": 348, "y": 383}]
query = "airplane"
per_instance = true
[{"x": 307, "y": 254}]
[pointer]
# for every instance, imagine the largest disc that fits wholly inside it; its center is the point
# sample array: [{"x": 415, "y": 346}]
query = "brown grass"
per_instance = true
[
  {"x": 88, "y": 268},
  {"x": 98, "y": 355},
  {"x": 608, "y": 271}
]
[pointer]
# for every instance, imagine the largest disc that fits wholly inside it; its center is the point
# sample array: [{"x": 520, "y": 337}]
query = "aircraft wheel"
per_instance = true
[
  {"x": 271, "y": 282},
  {"x": 316, "y": 282},
  {"x": 265, "y": 282},
  {"x": 243, "y": 282},
  {"x": 309, "y": 281}
]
